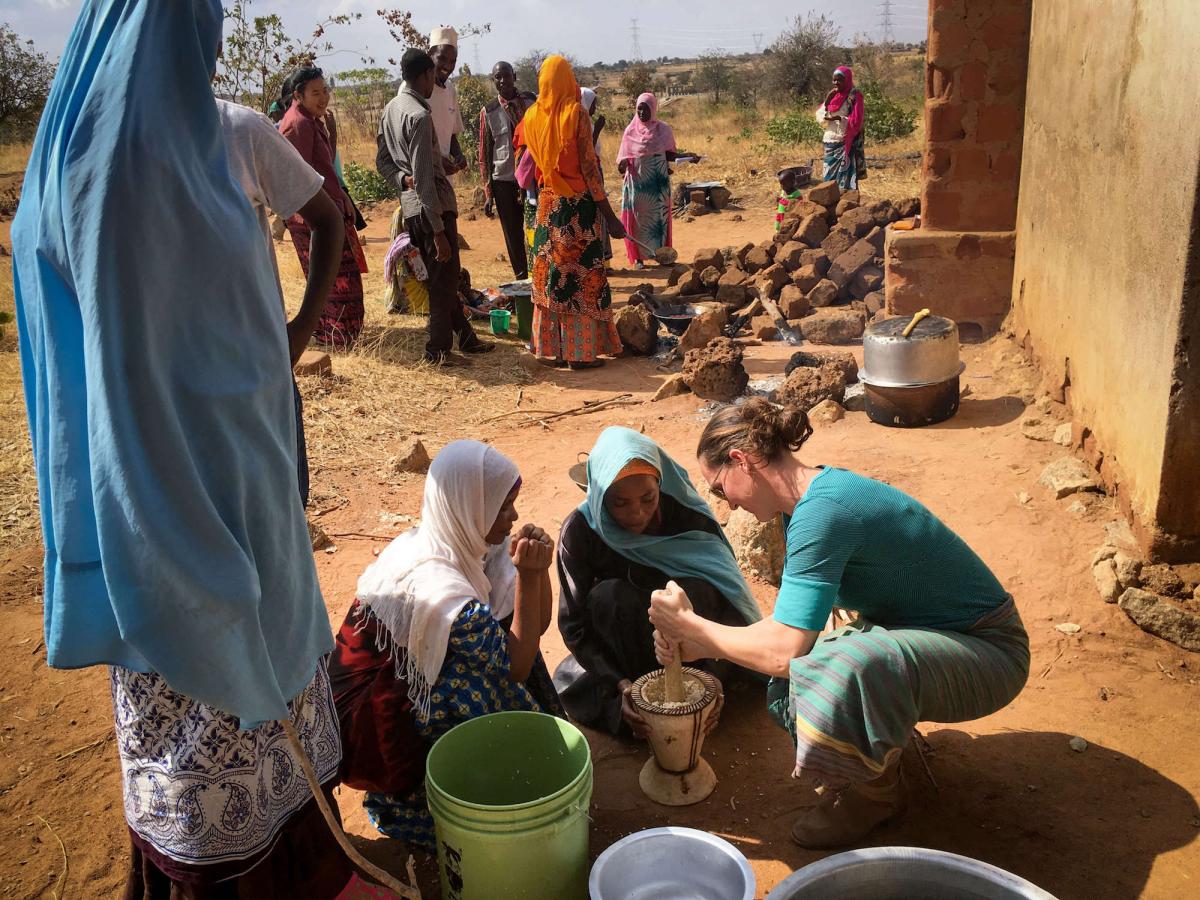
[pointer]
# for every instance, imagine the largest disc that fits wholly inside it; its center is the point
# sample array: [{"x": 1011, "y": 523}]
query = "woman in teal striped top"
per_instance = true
[{"x": 936, "y": 638}]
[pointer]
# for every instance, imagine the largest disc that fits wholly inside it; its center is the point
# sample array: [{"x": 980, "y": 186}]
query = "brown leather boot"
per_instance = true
[{"x": 848, "y": 815}]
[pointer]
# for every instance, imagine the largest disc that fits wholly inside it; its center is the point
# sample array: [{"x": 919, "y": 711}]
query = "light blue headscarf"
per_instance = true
[
  {"x": 693, "y": 554},
  {"x": 156, "y": 377}
]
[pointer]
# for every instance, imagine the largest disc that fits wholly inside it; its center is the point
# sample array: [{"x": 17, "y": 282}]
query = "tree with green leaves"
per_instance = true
[
  {"x": 802, "y": 59},
  {"x": 637, "y": 79},
  {"x": 25, "y": 79},
  {"x": 407, "y": 34},
  {"x": 258, "y": 54},
  {"x": 714, "y": 75}
]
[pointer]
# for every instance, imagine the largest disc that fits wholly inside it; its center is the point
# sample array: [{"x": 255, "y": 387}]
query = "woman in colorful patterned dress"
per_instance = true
[
  {"x": 304, "y": 124},
  {"x": 647, "y": 149},
  {"x": 445, "y": 627},
  {"x": 572, "y": 315},
  {"x": 843, "y": 115}
]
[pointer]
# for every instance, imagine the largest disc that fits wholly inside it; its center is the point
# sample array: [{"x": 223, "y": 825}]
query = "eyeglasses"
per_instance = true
[{"x": 718, "y": 486}]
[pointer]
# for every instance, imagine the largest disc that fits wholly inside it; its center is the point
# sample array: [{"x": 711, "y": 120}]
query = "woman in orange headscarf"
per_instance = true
[{"x": 572, "y": 316}]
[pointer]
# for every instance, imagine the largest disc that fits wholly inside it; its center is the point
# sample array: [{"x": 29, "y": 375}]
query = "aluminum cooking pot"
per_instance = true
[{"x": 910, "y": 351}]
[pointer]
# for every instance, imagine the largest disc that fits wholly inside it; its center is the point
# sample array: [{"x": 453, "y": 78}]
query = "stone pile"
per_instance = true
[{"x": 823, "y": 269}]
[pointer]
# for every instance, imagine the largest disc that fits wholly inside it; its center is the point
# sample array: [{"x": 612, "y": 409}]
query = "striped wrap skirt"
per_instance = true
[{"x": 851, "y": 704}]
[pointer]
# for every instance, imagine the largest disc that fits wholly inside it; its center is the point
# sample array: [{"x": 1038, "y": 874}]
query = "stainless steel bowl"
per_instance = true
[
  {"x": 671, "y": 864},
  {"x": 901, "y": 873},
  {"x": 927, "y": 356}
]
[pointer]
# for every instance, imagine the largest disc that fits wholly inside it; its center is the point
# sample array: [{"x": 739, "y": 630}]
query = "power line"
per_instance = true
[
  {"x": 637, "y": 44},
  {"x": 885, "y": 21},
  {"x": 758, "y": 39}
]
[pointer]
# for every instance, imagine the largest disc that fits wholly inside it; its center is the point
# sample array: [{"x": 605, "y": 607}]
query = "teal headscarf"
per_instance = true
[{"x": 693, "y": 554}]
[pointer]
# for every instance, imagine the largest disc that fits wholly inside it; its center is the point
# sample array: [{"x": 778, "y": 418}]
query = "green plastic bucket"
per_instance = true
[
  {"x": 525, "y": 318},
  {"x": 500, "y": 321},
  {"x": 509, "y": 795}
]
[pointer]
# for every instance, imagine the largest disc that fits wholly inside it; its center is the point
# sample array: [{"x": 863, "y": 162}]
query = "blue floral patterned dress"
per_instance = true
[{"x": 473, "y": 682}]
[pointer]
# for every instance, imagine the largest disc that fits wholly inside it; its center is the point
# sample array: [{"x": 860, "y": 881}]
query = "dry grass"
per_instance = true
[{"x": 13, "y": 158}]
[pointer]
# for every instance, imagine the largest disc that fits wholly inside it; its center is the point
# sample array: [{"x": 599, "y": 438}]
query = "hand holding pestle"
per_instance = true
[{"x": 673, "y": 690}]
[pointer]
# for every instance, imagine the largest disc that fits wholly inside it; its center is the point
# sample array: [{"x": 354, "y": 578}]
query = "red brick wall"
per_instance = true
[{"x": 975, "y": 70}]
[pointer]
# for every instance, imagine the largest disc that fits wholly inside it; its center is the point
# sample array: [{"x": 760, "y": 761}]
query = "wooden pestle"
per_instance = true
[{"x": 673, "y": 691}]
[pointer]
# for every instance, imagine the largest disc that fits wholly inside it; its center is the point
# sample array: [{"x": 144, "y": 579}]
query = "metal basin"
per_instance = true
[
  {"x": 902, "y": 873},
  {"x": 927, "y": 356},
  {"x": 671, "y": 864},
  {"x": 677, "y": 317}
]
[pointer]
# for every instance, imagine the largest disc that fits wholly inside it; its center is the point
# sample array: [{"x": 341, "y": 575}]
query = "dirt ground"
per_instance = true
[{"x": 1118, "y": 820}]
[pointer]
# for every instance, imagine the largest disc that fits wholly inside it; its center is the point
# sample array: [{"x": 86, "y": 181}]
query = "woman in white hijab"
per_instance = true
[{"x": 445, "y": 627}]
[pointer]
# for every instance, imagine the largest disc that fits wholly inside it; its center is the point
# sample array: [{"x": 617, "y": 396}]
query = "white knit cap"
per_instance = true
[{"x": 443, "y": 36}]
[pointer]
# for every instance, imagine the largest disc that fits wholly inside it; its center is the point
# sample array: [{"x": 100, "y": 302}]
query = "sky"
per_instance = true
[{"x": 601, "y": 31}]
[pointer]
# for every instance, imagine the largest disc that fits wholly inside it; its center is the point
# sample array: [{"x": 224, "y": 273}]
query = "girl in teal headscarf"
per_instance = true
[{"x": 641, "y": 525}]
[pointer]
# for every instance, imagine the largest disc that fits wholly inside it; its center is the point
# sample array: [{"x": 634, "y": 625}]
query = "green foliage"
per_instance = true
[
  {"x": 714, "y": 75},
  {"x": 528, "y": 66},
  {"x": 5, "y": 318},
  {"x": 801, "y": 61},
  {"x": 637, "y": 80},
  {"x": 25, "y": 77},
  {"x": 886, "y": 120},
  {"x": 796, "y": 127},
  {"x": 474, "y": 93},
  {"x": 367, "y": 185},
  {"x": 367, "y": 76}
]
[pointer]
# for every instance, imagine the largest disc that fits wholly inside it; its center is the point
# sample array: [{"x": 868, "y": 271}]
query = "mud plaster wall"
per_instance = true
[{"x": 1104, "y": 287}]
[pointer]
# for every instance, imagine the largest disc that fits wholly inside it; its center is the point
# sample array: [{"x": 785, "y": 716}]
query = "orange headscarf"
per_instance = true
[{"x": 551, "y": 125}]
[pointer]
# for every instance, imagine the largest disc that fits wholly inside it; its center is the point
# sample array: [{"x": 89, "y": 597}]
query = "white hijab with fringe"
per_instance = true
[{"x": 423, "y": 579}]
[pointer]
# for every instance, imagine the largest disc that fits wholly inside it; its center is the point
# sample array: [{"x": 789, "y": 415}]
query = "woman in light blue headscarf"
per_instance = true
[
  {"x": 641, "y": 525},
  {"x": 159, "y": 394}
]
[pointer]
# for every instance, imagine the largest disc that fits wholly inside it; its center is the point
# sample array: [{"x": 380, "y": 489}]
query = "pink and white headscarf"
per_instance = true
[{"x": 650, "y": 138}]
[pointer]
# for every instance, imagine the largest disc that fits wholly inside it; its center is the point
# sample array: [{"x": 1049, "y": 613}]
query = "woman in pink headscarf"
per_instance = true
[
  {"x": 647, "y": 147},
  {"x": 842, "y": 115}
]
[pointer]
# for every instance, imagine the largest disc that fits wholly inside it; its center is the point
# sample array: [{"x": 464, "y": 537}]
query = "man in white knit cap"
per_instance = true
[{"x": 447, "y": 117}]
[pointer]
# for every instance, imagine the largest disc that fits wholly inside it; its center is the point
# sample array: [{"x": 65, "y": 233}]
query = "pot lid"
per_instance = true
[{"x": 930, "y": 326}]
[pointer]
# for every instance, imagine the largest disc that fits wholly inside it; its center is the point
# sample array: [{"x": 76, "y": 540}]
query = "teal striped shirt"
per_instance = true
[{"x": 863, "y": 545}]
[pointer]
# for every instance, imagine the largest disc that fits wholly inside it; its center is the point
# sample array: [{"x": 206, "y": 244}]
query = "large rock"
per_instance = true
[
  {"x": 834, "y": 326},
  {"x": 638, "y": 329},
  {"x": 867, "y": 280},
  {"x": 313, "y": 362},
  {"x": 802, "y": 209},
  {"x": 710, "y": 276},
  {"x": 678, "y": 273},
  {"x": 848, "y": 264},
  {"x": 719, "y": 197},
  {"x": 708, "y": 256},
  {"x": 806, "y": 387},
  {"x": 759, "y": 546},
  {"x": 812, "y": 231},
  {"x": 806, "y": 278},
  {"x": 715, "y": 371},
  {"x": 826, "y": 193},
  {"x": 1105, "y": 574},
  {"x": 838, "y": 241},
  {"x": 843, "y": 359},
  {"x": 764, "y": 328},
  {"x": 876, "y": 237},
  {"x": 702, "y": 329},
  {"x": 413, "y": 459},
  {"x": 816, "y": 258},
  {"x": 845, "y": 205},
  {"x": 907, "y": 208},
  {"x": 824, "y": 294},
  {"x": 757, "y": 260},
  {"x": 1068, "y": 476},
  {"x": 826, "y": 413},
  {"x": 733, "y": 276},
  {"x": 787, "y": 231},
  {"x": 874, "y": 302},
  {"x": 740, "y": 253},
  {"x": 732, "y": 294},
  {"x": 691, "y": 283},
  {"x": 789, "y": 255},
  {"x": 776, "y": 277},
  {"x": 857, "y": 221},
  {"x": 1162, "y": 618},
  {"x": 793, "y": 303},
  {"x": 883, "y": 212},
  {"x": 672, "y": 387},
  {"x": 1164, "y": 581}
]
